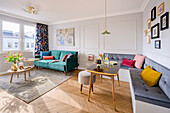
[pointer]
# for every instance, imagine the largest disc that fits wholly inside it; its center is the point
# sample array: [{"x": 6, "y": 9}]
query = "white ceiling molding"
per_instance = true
[
  {"x": 144, "y": 5},
  {"x": 21, "y": 17},
  {"x": 95, "y": 17},
  {"x": 62, "y": 11}
]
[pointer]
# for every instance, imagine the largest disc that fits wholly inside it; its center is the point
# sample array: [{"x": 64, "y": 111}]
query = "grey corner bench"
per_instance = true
[{"x": 146, "y": 99}]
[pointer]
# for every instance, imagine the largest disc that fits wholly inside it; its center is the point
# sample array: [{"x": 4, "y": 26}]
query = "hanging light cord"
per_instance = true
[{"x": 105, "y": 15}]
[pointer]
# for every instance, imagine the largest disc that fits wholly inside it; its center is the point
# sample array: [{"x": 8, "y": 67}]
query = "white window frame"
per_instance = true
[
  {"x": 21, "y": 24},
  {"x": 32, "y": 25},
  {"x": 19, "y": 35}
]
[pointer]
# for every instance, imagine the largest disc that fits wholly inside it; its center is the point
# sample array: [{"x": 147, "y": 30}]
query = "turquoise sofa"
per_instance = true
[{"x": 67, "y": 65}]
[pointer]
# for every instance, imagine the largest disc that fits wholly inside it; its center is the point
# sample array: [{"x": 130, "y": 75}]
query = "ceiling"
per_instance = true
[{"x": 58, "y": 11}]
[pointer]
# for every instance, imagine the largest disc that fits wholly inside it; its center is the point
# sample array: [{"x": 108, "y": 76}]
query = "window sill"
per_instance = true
[{"x": 24, "y": 51}]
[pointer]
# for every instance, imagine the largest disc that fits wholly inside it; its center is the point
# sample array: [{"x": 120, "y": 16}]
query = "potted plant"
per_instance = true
[{"x": 14, "y": 58}]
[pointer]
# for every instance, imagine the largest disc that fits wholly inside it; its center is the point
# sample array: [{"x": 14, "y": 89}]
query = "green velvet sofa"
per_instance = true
[{"x": 67, "y": 65}]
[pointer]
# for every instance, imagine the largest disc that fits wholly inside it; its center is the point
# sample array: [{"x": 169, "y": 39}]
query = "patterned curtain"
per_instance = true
[{"x": 41, "y": 41}]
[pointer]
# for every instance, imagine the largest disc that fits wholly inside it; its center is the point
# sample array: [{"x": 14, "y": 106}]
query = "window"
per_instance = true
[
  {"x": 11, "y": 36},
  {"x": 29, "y": 35}
]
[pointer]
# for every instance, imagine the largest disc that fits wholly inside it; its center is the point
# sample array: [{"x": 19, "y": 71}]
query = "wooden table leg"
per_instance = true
[
  {"x": 101, "y": 77},
  {"x": 29, "y": 73},
  {"x": 81, "y": 88},
  {"x": 113, "y": 92},
  {"x": 118, "y": 79},
  {"x": 92, "y": 88},
  {"x": 11, "y": 77},
  {"x": 91, "y": 79},
  {"x": 25, "y": 75},
  {"x": 17, "y": 75},
  {"x": 28, "y": 63}
]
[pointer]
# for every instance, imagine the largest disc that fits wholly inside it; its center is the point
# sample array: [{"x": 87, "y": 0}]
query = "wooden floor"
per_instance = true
[{"x": 66, "y": 98}]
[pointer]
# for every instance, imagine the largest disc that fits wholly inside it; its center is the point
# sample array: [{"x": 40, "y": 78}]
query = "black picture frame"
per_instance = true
[
  {"x": 153, "y": 14},
  {"x": 155, "y": 29},
  {"x": 164, "y": 20},
  {"x": 157, "y": 44}
]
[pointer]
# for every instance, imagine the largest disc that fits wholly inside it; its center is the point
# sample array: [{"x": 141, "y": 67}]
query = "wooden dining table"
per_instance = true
[{"x": 106, "y": 70}]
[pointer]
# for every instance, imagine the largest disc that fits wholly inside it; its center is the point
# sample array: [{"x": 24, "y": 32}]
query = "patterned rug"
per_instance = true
[{"x": 38, "y": 84}]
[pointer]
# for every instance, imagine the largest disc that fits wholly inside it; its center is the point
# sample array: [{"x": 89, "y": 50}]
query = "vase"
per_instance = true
[{"x": 14, "y": 66}]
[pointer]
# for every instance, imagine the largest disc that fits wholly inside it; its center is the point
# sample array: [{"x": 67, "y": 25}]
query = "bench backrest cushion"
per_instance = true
[
  {"x": 118, "y": 57},
  {"x": 164, "y": 82}
]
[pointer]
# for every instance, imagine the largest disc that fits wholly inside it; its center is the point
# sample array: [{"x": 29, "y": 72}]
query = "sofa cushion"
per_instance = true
[
  {"x": 150, "y": 76},
  {"x": 56, "y": 54},
  {"x": 43, "y": 63},
  {"x": 143, "y": 92},
  {"x": 124, "y": 67},
  {"x": 164, "y": 82},
  {"x": 58, "y": 65},
  {"x": 44, "y": 53}
]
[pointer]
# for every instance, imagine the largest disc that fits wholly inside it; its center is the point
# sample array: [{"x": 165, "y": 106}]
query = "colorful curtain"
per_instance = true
[{"x": 41, "y": 41}]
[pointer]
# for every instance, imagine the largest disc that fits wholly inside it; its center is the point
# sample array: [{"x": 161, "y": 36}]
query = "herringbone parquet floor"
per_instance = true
[{"x": 66, "y": 98}]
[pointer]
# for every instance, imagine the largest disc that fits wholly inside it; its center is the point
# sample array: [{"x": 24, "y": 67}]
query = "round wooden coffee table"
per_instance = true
[{"x": 27, "y": 68}]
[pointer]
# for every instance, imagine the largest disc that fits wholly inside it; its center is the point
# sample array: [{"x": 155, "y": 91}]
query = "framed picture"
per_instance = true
[
  {"x": 90, "y": 57},
  {"x": 165, "y": 21},
  {"x": 161, "y": 9},
  {"x": 155, "y": 31},
  {"x": 65, "y": 37},
  {"x": 149, "y": 39},
  {"x": 157, "y": 44},
  {"x": 149, "y": 25},
  {"x": 153, "y": 14},
  {"x": 145, "y": 32}
]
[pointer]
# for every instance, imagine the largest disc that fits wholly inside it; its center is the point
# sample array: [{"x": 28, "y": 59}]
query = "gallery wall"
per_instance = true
[
  {"x": 159, "y": 55},
  {"x": 126, "y": 36}
]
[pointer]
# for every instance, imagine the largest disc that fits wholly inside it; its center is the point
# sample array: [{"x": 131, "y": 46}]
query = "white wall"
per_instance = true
[
  {"x": 26, "y": 53},
  {"x": 126, "y": 36},
  {"x": 159, "y": 55}
]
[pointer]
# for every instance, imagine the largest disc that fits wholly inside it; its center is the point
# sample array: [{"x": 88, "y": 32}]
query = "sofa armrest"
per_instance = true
[{"x": 71, "y": 63}]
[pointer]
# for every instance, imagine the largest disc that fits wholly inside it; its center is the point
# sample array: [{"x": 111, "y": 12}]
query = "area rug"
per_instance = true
[{"x": 39, "y": 83}]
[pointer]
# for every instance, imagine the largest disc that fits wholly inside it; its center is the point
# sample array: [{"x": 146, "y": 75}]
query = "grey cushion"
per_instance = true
[
  {"x": 143, "y": 92},
  {"x": 84, "y": 78},
  {"x": 124, "y": 67},
  {"x": 164, "y": 82}
]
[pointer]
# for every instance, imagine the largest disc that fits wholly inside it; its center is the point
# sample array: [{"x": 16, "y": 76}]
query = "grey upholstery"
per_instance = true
[
  {"x": 119, "y": 58},
  {"x": 164, "y": 82},
  {"x": 84, "y": 78},
  {"x": 115, "y": 56},
  {"x": 143, "y": 92},
  {"x": 159, "y": 94}
]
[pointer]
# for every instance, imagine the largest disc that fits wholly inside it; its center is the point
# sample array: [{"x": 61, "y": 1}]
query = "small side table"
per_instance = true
[
  {"x": 28, "y": 60},
  {"x": 19, "y": 71}
]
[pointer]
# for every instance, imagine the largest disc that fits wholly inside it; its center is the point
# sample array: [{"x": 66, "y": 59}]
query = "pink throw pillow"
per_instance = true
[
  {"x": 128, "y": 62},
  {"x": 139, "y": 61}
]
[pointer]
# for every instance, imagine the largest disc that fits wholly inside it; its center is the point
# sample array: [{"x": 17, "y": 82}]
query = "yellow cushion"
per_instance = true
[{"x": 150, "y": 76}]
